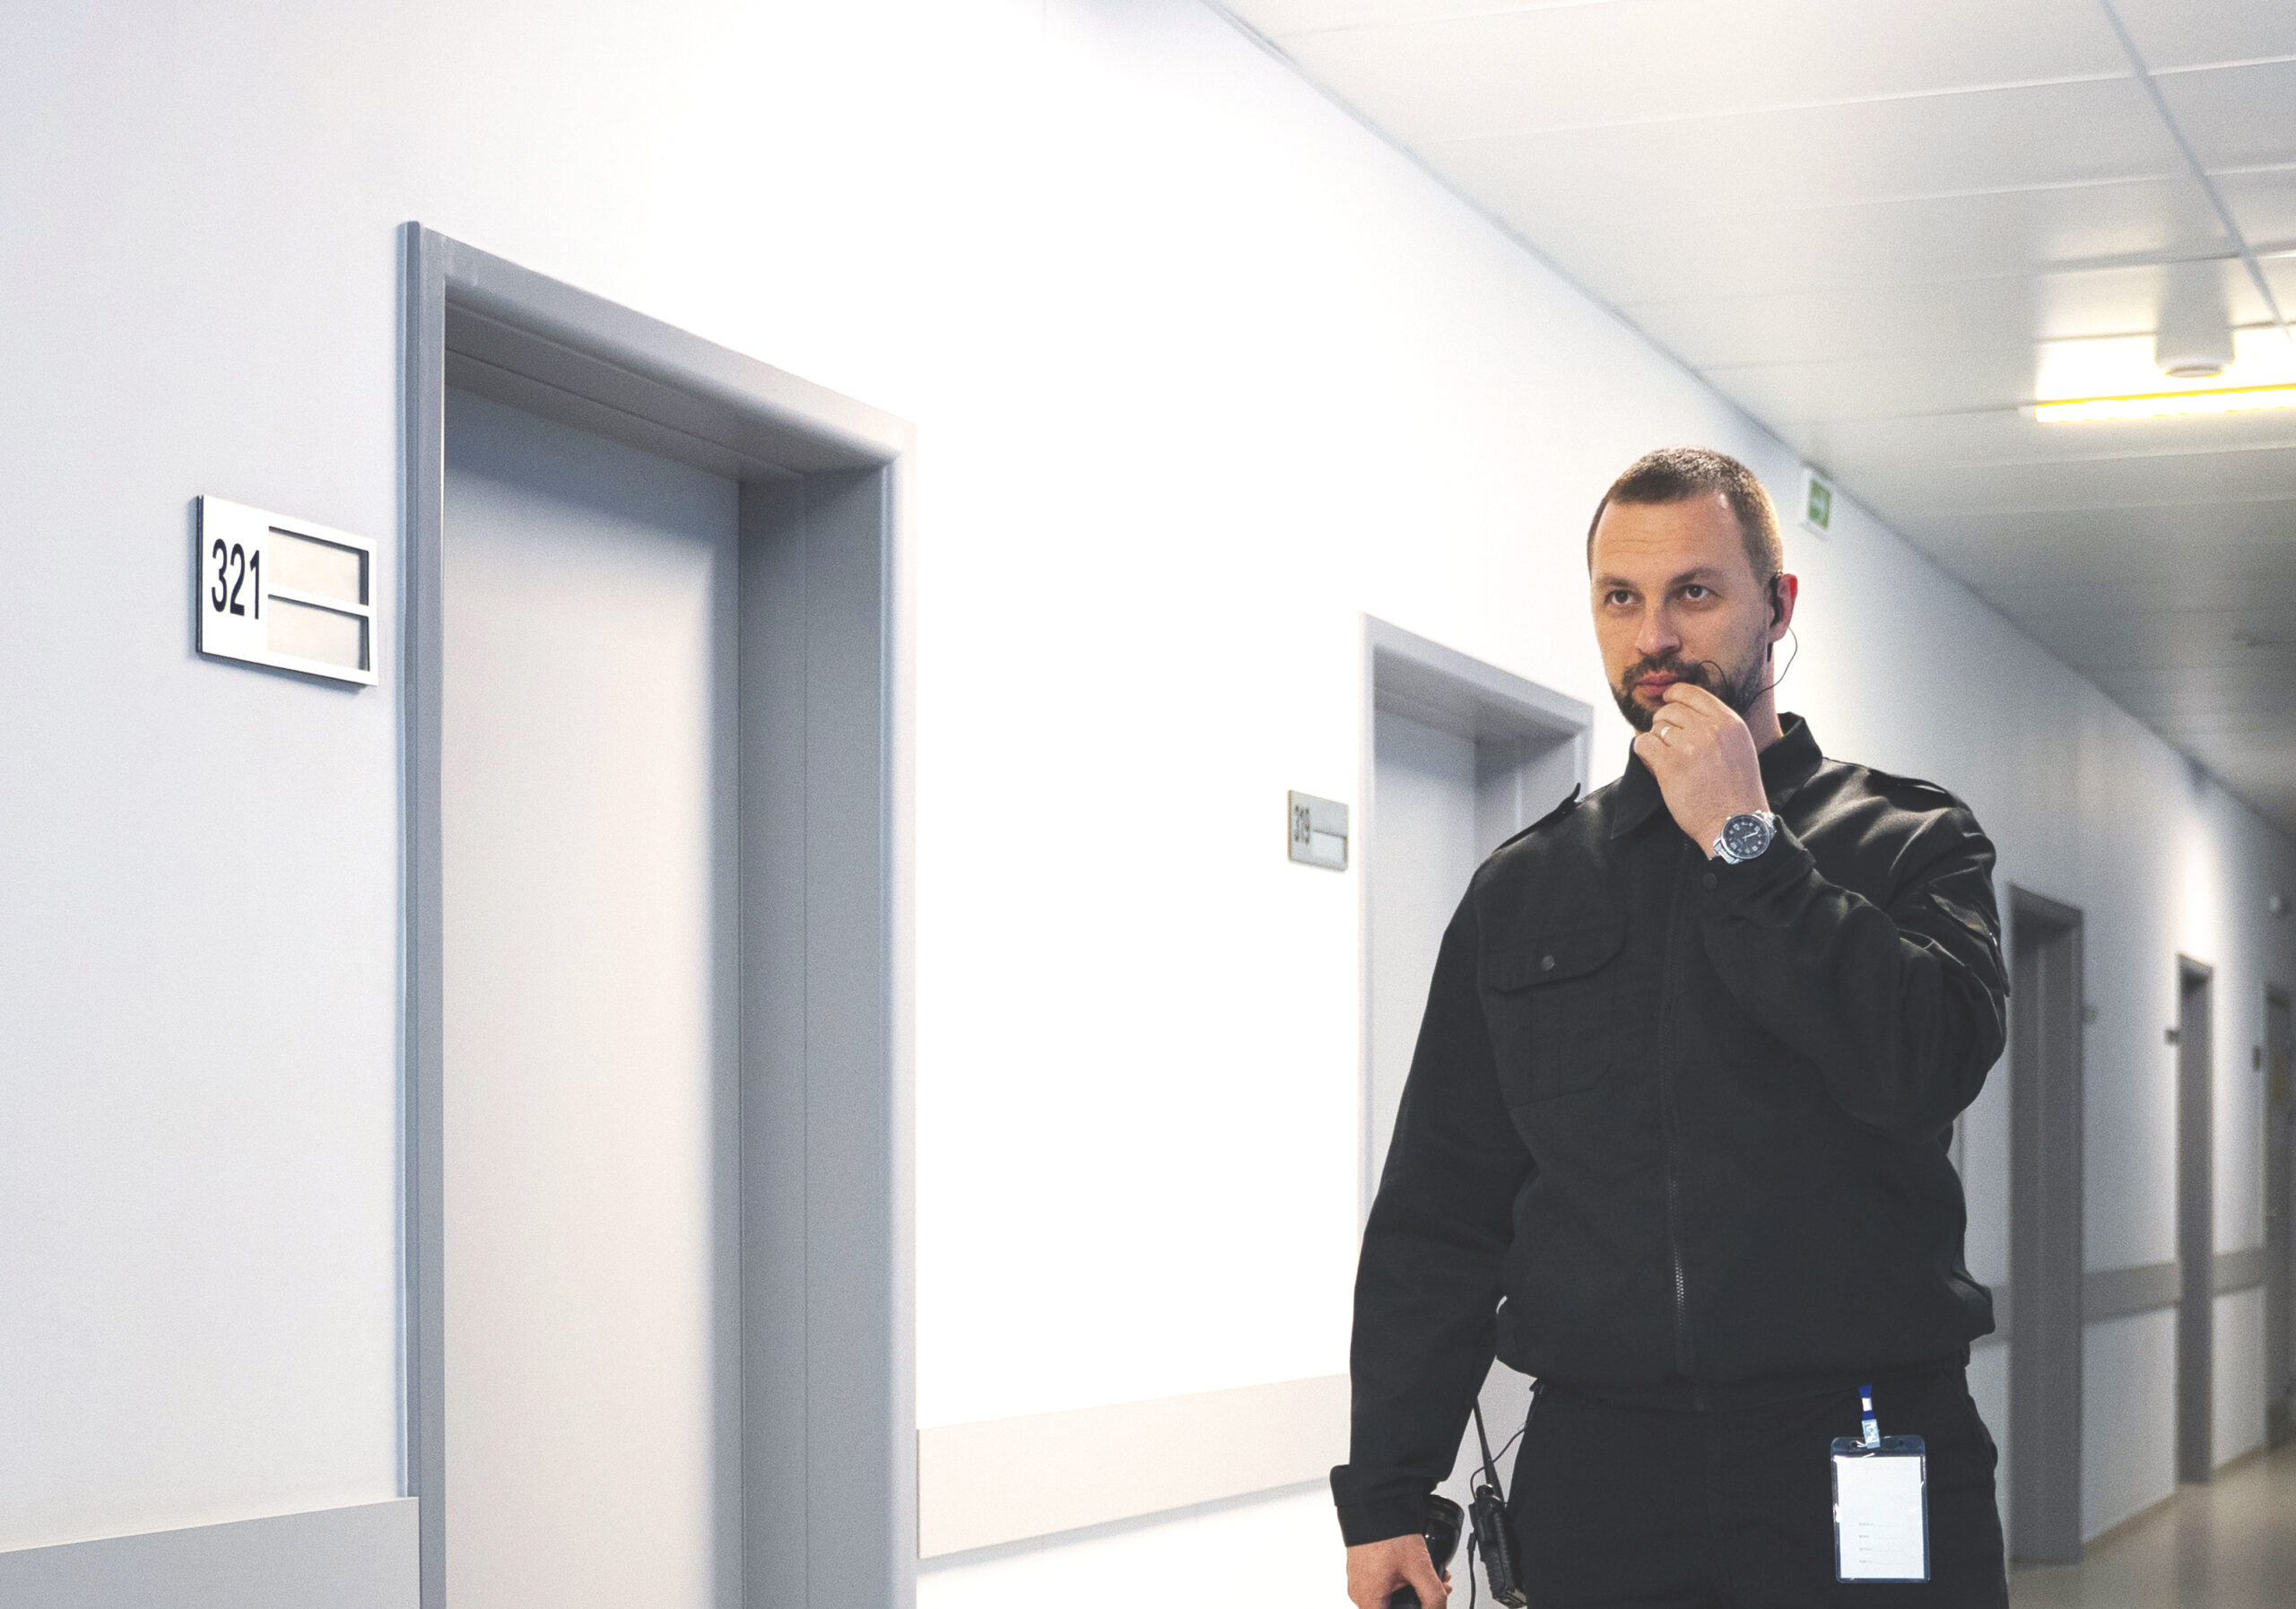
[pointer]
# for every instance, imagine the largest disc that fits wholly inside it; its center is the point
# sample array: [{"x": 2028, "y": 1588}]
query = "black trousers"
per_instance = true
[{"x": 1638, "y": 1507}]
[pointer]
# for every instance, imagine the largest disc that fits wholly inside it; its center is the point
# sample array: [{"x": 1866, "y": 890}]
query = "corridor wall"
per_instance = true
[{"x": 1201, "y": 371}]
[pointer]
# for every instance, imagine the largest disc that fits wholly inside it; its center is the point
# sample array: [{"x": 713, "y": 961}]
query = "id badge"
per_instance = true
[{"x": 1880, "y": 1509}]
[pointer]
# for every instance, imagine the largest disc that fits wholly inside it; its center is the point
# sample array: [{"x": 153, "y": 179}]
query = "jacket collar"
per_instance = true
[{"x": 1787, "y": 764}]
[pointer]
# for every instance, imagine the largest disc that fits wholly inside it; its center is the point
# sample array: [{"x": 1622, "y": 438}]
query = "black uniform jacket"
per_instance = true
[{"x": 1677, "y": 1130}]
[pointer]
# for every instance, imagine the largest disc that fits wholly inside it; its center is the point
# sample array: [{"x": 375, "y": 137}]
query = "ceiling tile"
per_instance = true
[
  {"x": 1873, "y": 151},
  {"x": 1808, "y": 327},
  {"x": 1944, "y": 442},
  {"x": 2183, "y": 33},
  {"x": 1499, "y": 71},
  {"x": 2004, "y": 488},
  {"x": 2226, "y": 527},
  {"x": 1935, "y": 321},
  {"x": 2264, "y": 204},
  {"x": 1745, "y": 251},
  {"x": 2203, "y": 612},
  {"x": 2236, "y": 116},
  {"x": 1786, "y": 395}
]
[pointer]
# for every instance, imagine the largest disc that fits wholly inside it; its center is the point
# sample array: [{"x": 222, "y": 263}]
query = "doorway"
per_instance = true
[
  {"x": 2044, "y": 1238},
  {"x": 659, "y": 1320},
  {"x": 2279, "y": 1222},
  {"x": 592, "y": 1198},
  {"x": 2195, "y": 1224},
  {"x": 1459, "y": 756},
  {"x": 1462, "y": 756}
]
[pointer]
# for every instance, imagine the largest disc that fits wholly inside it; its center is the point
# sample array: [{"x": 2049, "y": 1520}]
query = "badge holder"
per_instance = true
[{"x": 1880, "y": 1504}]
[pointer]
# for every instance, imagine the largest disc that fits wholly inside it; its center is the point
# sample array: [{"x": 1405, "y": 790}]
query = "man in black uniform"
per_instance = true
[{"x": 1676, "y": 1136}]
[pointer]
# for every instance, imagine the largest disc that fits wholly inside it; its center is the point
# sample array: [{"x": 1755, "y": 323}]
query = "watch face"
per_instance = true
[{"x": 1745, "y": 836}]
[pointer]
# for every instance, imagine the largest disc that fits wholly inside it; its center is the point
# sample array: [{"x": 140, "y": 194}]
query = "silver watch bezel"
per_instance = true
[{"x": 1769, "y": 820}]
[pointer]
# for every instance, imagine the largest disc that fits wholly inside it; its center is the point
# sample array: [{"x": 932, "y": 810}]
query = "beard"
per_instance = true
[{"x": 1738, "y": 688}]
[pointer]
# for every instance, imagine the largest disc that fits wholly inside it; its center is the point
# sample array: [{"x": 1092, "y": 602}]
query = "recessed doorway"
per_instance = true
[
  {"x": 2045, "y": 1239},
  {"x": 2196, "y": 1224},
  {"x": 659, "y": 1340},
  {"x": 1462, "y": 756},
  {"x": 2279, "y": 1222},
  {"x": 1459, "y": 756}
]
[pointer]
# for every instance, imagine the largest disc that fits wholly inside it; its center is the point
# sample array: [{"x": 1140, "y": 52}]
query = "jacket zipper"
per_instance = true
[{"x": 1667, "y": 1122}]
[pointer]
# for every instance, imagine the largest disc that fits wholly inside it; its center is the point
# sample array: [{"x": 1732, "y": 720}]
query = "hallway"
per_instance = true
[{"x": 2221, "y": 1545}]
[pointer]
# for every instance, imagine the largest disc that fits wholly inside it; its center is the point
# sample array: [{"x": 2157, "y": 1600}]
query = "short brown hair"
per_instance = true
[{"x": 1675, "y": 475}]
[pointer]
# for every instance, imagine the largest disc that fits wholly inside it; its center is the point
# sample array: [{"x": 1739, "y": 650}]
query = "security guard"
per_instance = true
[{"x": 1675, "y": 1135}]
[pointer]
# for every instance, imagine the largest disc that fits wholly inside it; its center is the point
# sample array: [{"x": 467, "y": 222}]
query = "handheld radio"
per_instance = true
[
  {"x": 1442, "y": 1528},
  {"x": 1487, "y": 1511}
]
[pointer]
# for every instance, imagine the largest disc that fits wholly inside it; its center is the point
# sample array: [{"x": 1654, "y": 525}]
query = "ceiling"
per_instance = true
[{"x": 1886, "y": 230}]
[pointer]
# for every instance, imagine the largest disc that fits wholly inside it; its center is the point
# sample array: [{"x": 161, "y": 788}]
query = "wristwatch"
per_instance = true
[{"x": 1745, "y": 836}]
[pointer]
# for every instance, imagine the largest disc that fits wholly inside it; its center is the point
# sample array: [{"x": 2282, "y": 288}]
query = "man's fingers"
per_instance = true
[
  {"x": 1691, "y": 695},
  {"x": 1432, "y": 1590}
]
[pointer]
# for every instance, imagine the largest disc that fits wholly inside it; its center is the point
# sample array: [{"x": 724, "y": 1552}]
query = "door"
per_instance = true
[
  {"x": 2045, "y": 1239},
  {"x": 591, "y": 1369},
  {"x": 2279, "y": 1223},
  {"x": 1463, "y": 755},
  {"x": 1423, "y": 850}
]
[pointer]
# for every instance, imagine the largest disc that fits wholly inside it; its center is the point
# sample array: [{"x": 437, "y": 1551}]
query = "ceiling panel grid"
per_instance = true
[{"x": 1887, "y": 231}]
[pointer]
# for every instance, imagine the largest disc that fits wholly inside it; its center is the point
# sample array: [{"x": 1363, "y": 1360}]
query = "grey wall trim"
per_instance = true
[
  {"x": 2242, "y": 1270},
  {"x": 2118, "y": 1292},
  {"x": 356, "y": 1558},
  {"x": 828, "y": 1379},
  {"x": 1001, "y": 1481}
]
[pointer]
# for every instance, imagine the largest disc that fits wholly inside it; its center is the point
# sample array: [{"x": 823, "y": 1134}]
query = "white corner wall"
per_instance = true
[{"x": 1201, "y": 370}]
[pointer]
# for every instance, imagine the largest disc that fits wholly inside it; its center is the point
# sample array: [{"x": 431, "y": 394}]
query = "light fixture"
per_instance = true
[
  {"x": 2192, "y": 339},
  {"x": 2162, "y": 405}
]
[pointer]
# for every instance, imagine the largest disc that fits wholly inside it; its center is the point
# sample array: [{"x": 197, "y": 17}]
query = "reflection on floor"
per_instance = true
[{"x": 2231, "y": 1544}]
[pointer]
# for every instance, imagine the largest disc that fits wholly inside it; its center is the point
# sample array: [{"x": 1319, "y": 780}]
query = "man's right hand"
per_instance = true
[{"x": 1375, "y": 1568}]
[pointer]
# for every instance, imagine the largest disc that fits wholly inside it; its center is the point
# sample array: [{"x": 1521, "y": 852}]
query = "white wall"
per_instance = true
[{"x": 1201, "y": 370}]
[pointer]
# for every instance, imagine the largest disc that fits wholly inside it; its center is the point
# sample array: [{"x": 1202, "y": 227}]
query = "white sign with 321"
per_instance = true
[{"x": 285, "y": 593}]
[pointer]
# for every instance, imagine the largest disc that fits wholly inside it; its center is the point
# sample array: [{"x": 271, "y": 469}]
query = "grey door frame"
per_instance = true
[
  {"x": 1446, "y": 687},
  {"x": 2280, "y": 1226},
  {"x": 828, "y": 1397},
  {"x": 2045, "y": 1215},
  {"x": 2195, "y": 1221}
]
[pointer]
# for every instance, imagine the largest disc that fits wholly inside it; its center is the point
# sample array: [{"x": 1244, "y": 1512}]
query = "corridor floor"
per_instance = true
[{"x": 2231, "y": 1544}]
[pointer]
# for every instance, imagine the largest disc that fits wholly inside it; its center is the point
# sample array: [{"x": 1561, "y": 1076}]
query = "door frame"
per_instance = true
[
  {"x": 2279, "y": 1231},
  {"x": 2195, "y": 1038},
  {"x": 2046, "y": 1206},
  {"x": 1443, "y": 686},
  {"x": 828, "y": 1395}
]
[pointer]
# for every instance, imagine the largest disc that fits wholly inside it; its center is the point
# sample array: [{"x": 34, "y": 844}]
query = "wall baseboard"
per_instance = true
[
  {"x": 1005, "y": 1480},
  {"x": 2241, "y": 1270},
  {"x": 361, "y": 1557},
  {"x": 2123, "y": 1293}
]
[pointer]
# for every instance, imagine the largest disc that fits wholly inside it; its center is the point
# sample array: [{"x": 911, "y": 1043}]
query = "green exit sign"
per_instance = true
[{"x": 1817, "y": 503}]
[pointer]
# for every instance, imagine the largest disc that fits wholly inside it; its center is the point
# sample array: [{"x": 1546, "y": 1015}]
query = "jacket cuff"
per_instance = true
[
  {"x": 1359, "y": 1523},
  {"x": 1725, "y": 888}
]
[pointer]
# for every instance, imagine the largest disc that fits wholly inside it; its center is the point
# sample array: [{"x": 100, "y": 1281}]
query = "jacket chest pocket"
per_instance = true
[{"x": 1553, "y": 1007}]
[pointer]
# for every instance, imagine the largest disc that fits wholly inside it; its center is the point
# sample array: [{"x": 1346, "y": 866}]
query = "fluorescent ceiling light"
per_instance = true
[{"x": 2160, "y": 404}]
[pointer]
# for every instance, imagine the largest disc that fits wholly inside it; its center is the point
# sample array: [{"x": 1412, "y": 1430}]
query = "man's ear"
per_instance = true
[{"x": 1784, "y": 589}]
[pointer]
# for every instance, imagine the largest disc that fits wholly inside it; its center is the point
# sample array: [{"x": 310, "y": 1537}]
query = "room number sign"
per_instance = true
[{"x": 285, "y": 593}]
